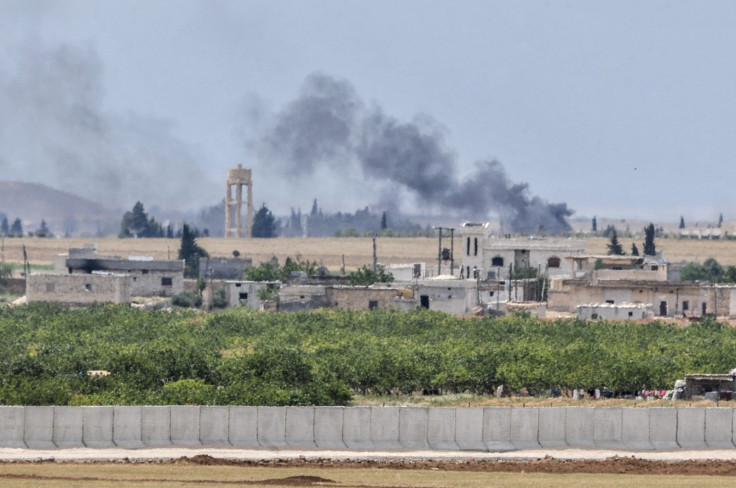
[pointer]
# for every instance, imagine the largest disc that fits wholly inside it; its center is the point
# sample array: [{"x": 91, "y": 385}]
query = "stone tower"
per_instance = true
[{"x": 236, "y": 179}]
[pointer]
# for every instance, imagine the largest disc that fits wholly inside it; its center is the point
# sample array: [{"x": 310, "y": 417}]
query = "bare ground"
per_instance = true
[
  {"x": 330, "y": 251},
  {"x": 720, "y": 462}
]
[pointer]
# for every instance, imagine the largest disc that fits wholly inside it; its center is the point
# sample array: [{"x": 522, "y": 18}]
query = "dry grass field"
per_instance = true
[
  {"x": 330, "y": 251},
  {"x": 611, "y": 472}
]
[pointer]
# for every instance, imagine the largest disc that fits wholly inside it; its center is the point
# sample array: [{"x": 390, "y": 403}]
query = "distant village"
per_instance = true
[
  {"x": 495, "y": 274},
  {"x": 544, "y": 277}
]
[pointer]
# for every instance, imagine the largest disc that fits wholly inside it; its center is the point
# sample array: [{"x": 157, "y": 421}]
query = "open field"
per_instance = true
[
  {"x": 203, "y": 470},
  {"x": 329, "y": 251}
]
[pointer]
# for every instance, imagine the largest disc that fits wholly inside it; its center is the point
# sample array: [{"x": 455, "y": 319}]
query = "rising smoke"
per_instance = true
[
  {"x": 329, "y": 126},
  {"x": 55, "y": 130}
]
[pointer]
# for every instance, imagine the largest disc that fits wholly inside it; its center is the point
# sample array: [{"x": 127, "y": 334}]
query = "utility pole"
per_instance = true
[
  {"x": 452, "y": 251},
  {"x": 439, "y": 254},
  {"x": 375, "y": 257}
]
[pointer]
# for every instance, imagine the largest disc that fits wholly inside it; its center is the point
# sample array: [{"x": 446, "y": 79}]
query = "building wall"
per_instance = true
[
  {"x": 630, "y": 274},
  {"x": 153, "y": 283},
  {"x": 301, "y": 298},
  {"x": 244, "y": 293},
  {"x": 457, "y": 297},
  {"x": 479, "y": 249},
  {"x": 78, "y": 289},
  {"x": 362, "y": 298},
  {"x": 613, "y": 312},
  {"x": 636, "y": 293}
]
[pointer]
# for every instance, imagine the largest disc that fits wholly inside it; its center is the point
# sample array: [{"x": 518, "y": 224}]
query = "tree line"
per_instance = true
[{"x": 244, "y": 357}]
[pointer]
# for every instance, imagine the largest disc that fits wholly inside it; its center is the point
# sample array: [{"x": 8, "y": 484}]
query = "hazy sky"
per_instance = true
[{"x": 618, "y": 109}]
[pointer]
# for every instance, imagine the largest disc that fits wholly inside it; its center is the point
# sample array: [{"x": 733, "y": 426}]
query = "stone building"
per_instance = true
[
  {"x": 149, "y": 277},
  {"x": 495, "y": 258},
  {"x": 79, "y": 289},
  {"x": 224, "y": 268},
  {"x": 613, "y": 311},
  {"x": 311, "y": 297},
  {"x": 239, "y": 293},
  {"x": 458, "y": 297}
]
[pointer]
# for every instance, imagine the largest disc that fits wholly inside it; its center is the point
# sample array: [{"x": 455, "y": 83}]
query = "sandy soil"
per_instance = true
[{"x": 696, "y": 462}]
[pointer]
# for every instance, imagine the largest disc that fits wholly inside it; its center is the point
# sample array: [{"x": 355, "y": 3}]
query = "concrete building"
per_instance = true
[
  {"x": 79, "y": 289},
  {"x": 609, "y": 311},
  {"x": 149, "y": 277},
  {"x": 223, "y": 268},
  {"x": 458, "y": 297},
  {"x": 241, "y": 293},
  {"x": 311, "y": 297},
  {"x": 407, "y": 272},
  {"x": 496, "y": 257}
]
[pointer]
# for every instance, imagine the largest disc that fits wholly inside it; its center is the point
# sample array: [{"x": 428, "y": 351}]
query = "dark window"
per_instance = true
[
  {"x": 631, "y": 314},
  {"x": 685, "y": 305},
  {"x": 663, "y": 309},
  {"x": 372, "y": 304},
  {"x": 243, "y": 296},
  {"x": 655, "y": 268},
  {"x": 475, "y": 247},
  {"x": 490, "y": 293},
  {"x": 88, "y": 287},
  {"x": 145, "y": 271},
  {"x": 424, "y": 301},
  {"x": 497, "y": 261},
  {"x": 610, "y": 302},
  {"x": 468, "y": 246},
  {"x": 165, "y": 281},
  {"x": 553, "y": 262},
  {"x": 594, "y": 316}
]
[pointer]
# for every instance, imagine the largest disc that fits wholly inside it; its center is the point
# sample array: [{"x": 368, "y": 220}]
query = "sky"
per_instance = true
[{"x": 614, "y": 109}]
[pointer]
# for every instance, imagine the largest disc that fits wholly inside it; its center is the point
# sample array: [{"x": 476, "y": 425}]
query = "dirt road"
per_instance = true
[{"x": 696, "y": 462}]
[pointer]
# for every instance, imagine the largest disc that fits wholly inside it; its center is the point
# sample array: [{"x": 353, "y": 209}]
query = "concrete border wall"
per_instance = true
[{"x": 476, "y": 429}]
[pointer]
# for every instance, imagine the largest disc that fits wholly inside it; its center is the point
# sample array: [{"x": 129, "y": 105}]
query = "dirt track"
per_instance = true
[{"x": 720, "y": 462}]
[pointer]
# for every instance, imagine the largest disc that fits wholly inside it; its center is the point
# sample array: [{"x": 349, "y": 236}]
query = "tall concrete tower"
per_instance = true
[{"x": 236, "y": 179}]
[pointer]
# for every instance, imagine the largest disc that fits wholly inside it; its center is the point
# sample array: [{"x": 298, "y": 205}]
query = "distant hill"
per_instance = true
[{"x": 65, "y": 213}]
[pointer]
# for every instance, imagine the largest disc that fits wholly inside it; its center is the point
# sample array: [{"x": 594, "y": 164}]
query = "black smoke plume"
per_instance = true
[{"x": 328, "y": 125}]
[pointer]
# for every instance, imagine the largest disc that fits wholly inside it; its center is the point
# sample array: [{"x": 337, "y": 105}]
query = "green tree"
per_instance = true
[
  {"x": 614, "y": 247},
  {"x": 595, "y": 224},
  {"x": 190, "y": 252},
  {"x": 634, "y": 249},
  {"x": 4, "y": 227},
  {"x": 713, "y": 270},
  {"x": 44, "y": 231},
  {"x": 365, "y": 276},
  {"x": 384, "y": 221},
  {"x": 692, "y": 272},
  {"x": 136, "y": 223},
  {"x": 682, "y": 222},
  {"x": 16, "y": 229},
  {"x": 649, "y": 248},
  {"x": 264, "y": 223}
]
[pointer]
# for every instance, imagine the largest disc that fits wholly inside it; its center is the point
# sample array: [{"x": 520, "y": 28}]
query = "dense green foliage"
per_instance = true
[
  {"x": 614, "y": 246},
  {"x": 137, "y": 223},
  {"x": 264, "y": 223},
  {"x": 255, "y": 358},
  {"x": 190, "y": 252},
  {"x": 365, "y": 276},
  {"x": 272, "y": 271},
  {"x": 649, "y": 247},
  {"x": 710, "y": 270}
]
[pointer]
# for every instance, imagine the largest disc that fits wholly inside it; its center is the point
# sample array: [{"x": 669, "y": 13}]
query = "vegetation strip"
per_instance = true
[{"x": 242, "y": 357}]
